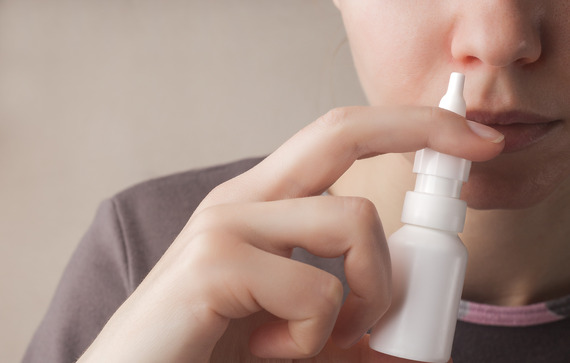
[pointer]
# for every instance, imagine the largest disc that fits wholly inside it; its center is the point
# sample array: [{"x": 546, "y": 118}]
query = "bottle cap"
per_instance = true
[{"x": 434, "y": 202}]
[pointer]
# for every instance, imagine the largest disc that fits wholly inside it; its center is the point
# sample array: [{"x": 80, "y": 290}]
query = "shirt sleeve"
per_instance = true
[{"x": 94, "y": 284}]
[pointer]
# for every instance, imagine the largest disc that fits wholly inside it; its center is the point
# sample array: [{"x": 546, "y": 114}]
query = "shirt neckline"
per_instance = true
[{"x": 515, "y": 316}]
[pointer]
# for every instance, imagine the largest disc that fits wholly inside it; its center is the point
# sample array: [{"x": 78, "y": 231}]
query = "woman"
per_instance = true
[{"x": 226, "y": 289}]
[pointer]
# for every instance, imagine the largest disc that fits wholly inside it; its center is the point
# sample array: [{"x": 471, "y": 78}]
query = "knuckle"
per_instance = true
[
  {"x": 209, "y": 219},
  {"x": 336, "y": 125},
  {"x": 203, "y": 251},
  {"x": 331, "y": 291},
  {"x": 363, "y": 211},
  {"x": 335, "y": 117},
  {"x": 217, "y": 190},
  {"x": 217, "y": 194},
  {"x": 207, "y": 235}
]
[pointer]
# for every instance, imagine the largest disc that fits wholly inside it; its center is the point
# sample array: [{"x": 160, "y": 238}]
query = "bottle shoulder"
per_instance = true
[{"x": 411, "y": 236}]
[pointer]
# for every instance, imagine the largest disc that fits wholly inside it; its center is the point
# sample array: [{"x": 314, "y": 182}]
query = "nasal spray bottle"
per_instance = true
[{"x": 428, "y": 258}]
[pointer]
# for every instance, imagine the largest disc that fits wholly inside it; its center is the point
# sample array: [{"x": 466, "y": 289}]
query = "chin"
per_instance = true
[
  {"x": 510, "y": 190},
  {"x": 486, "y": 195}
]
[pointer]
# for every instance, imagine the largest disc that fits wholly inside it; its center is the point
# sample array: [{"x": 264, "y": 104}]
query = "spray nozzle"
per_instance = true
[
  {"x": 430, "y": 162},
  {"x": 435, "y": 201},
  {"x": 453, "y": 98}
]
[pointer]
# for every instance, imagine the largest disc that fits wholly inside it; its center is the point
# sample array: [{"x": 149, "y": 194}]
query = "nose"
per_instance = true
[{"x": 497, "y": 33}]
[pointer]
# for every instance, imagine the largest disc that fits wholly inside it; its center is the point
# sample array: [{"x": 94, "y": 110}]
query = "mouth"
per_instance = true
[{"x": 521, "y": 129}]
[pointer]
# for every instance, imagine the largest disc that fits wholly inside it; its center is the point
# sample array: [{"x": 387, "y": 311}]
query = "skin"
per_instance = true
[
  {"x": 226, "y": 288},
  {"x": 513, "y": 54}
]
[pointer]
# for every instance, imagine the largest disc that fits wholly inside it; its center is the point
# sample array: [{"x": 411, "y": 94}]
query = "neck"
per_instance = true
[{"x": 516, "y": 257}]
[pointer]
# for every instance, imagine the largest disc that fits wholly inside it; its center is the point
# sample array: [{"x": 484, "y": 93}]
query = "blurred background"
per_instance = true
[{"x": 97, "y": 95}]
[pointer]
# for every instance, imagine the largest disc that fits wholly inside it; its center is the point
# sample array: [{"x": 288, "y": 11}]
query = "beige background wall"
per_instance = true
[{"x": 96, "y": 95}]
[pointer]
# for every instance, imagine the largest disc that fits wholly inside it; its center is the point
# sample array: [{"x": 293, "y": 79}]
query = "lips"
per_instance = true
[{"x": 521, "y": 129}]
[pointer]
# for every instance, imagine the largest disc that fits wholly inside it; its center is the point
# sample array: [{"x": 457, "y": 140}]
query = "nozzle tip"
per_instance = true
[
  {"x": 453, "y": 98},
  {"x": 456, "y": 81}
]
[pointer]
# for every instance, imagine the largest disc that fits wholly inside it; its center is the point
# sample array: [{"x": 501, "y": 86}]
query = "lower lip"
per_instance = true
[{"x": 520, "y": 136}]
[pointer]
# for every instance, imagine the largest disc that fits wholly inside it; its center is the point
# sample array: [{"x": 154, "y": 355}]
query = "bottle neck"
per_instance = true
[{"x": 436, "y": 185}]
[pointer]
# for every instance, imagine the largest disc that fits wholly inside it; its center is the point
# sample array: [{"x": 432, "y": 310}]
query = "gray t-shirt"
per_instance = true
[{"x": 132, "y": 230}]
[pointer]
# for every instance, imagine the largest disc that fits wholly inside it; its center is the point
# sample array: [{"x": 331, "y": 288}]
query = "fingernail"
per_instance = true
[{"x": 486, "y": 132}]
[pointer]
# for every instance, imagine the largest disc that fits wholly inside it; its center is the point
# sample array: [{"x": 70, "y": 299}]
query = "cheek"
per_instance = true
[{"x": 396, "y": 55}]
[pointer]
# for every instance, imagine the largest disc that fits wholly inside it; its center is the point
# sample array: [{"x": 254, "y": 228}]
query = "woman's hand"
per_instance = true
[{"x": 226, "y": 288}]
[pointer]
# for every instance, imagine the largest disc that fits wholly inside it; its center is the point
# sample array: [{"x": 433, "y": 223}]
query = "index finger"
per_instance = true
[{"x": 313, "y": 159}]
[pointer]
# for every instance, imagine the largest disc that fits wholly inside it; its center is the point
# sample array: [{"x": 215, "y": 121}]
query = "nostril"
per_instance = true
[
  {"x": 498, "y": 37},
  {"x": 496, "y": 51},
  {"x": 529, "y": 51}
]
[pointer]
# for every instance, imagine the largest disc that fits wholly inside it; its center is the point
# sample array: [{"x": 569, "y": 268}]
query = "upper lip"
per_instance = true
[{"x": 507, "y": 117}]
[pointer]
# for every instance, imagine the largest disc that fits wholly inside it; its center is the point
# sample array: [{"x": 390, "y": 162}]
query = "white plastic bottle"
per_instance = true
[{"x": 428, "y": 258}]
